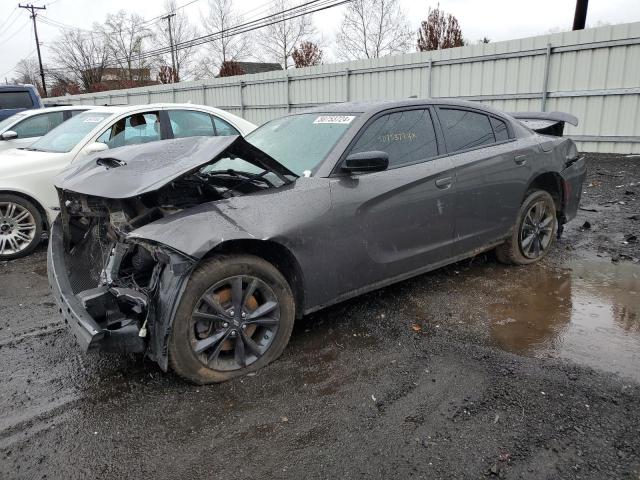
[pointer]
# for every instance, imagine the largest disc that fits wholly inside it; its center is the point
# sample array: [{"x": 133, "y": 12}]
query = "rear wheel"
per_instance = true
[
  {"x": 235, "y": 316},
  {"x": 534, "y": 232},
  {"x": 20, "y": 227}
]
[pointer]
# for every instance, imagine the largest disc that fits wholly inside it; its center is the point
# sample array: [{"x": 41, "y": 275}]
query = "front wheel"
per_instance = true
[
  {"x": 534, "y": 232},
  {"x": 235, "y": 316},
  {"x": 20, "y": 227}
]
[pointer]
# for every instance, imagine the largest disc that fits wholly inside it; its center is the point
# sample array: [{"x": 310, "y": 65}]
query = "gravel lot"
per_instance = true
[{"x": 477, "y": 370}]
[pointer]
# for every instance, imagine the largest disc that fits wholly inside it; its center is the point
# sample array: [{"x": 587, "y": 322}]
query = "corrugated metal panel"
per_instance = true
[{"x": 593, "y": 73}]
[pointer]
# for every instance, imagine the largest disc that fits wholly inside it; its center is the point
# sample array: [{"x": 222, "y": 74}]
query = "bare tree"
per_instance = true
[
  {"x": 126, "y": 35},
  {"x": 372, "y": 29},
  {"x": 230, "y": 69},
  {"x": 308, "y": 54},
  {"x": 28, "y": 71},
  {"x": 439, "y": 31},
  {"x": 181, "y": 31},
  {"x": 167, "y": 74},
  {"x": 61, "y": 86},
  {"x": 226, "y": 47},
  {"x": 279, "y": 39},
  {"x": 82, "y": 57}
]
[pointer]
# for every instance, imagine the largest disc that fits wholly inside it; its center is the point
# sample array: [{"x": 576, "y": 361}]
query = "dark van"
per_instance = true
[{"x": 15, "y": 98}]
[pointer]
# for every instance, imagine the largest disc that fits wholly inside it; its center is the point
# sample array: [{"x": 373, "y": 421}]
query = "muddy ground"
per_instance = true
[{"x": 477, "y": 370}]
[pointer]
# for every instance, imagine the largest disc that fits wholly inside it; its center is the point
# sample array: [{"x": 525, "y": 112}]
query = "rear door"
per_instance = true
[
  {"x": 399, "y": 220},
  {"x": 195, "y": 123},
  {"x": 489, "y": 176}
]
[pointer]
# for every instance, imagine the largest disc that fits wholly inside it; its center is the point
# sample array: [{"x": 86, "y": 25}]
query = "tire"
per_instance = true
[
  {"x": 516, "y": 250},
  {"x": 20, "y": 227},
  {"x": 207, "y": 311}
]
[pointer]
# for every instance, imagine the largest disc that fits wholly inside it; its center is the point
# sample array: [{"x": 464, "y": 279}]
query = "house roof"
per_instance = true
[{"x": 258, "y": 67}]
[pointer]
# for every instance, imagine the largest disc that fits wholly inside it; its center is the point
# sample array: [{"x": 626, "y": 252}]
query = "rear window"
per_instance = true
[
  {"x": 500, "y": 129},
  {"x": 465, "y": 129},
  {"x": 19, "y": 99}
]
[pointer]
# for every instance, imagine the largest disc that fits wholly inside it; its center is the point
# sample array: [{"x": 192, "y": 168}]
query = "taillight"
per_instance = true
[{"x": 572, "y": 154}]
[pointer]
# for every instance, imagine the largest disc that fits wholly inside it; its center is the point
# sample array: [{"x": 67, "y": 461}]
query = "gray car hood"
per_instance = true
[{"x": 130, "y": 171}]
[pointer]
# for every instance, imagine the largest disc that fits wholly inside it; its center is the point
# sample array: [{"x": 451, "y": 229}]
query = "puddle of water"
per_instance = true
[{"x": 589, "y": 313}]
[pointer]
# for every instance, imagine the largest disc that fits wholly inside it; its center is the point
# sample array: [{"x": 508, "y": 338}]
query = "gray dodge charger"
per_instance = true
[{"x": 201, "y": 252}]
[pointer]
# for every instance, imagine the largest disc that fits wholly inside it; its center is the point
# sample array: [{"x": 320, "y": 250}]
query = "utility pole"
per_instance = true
[
  {"x": 580, "y": 17},
  {"x": 173, "y": 57},
  {"x": 35, "y": 31}
]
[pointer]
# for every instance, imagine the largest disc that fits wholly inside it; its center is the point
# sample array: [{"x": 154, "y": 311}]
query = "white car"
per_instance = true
[
  {"x": 28, "y": 199},
  {"x": 24, "y": 128}
]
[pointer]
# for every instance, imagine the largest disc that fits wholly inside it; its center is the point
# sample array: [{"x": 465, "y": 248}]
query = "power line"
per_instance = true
[
  {"x": 161, "y": 17},
  {"x": 56, "y": 24},
  {"x": 9, "y": 18},
  {"x": 14, "y": 33},
  {"x": 271, "y": 19},
  {"x": 306, "y": 8}
]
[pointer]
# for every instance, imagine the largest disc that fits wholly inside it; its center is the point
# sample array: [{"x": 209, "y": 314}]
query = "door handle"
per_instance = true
[
  {"x": 520, "y": 159},
  {"x": 444, "y": 182}
]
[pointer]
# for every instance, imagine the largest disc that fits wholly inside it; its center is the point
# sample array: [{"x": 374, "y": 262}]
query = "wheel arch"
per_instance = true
[
  {"x": 273, "y": 252},
  {"x": 38, "y": 205},
  {"x": 550, "y": 182}
]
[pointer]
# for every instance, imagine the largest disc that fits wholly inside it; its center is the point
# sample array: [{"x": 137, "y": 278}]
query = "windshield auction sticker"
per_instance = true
[
  {"x": 342, "y": 119},
  {"x": 93, "y": 120}
]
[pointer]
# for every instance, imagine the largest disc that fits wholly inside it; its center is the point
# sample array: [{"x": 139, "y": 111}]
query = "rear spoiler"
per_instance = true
[{"x": 546, "y": 123}]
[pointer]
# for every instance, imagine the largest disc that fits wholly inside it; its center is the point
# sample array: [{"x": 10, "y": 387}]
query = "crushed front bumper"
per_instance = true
[{"x": 77, "y": 309}]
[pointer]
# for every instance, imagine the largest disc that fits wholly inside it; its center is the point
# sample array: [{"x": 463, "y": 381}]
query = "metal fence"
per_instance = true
[{"x": 593, "y": 74}]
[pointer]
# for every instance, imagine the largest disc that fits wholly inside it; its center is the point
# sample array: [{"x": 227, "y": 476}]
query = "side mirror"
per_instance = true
[
  {"x": 94, "y": 147},
  {"x": 363, "y": 162},
  {"x": 9, "y": 135}
]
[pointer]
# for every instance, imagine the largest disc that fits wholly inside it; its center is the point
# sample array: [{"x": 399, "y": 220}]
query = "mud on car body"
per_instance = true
[{"x": 201, "y": 252}]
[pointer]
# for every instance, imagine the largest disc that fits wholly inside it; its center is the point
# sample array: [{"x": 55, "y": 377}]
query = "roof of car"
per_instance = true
[
  {"x": 19, "y": 87},
  {"x": 150, "y": 106},
  {"x": 39, "y": 111},
  {"x": 371, "y": 107}
]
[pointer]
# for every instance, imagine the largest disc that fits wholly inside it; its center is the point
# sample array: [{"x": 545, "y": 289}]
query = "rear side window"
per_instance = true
[
  {"x": 500, "y": 129},
  {"x": 464, "y": 129},
  {"x": 38, "y": 125},
  {"x": 189, "y": 123},
  {"x": 19, "y": 99},
  {"x": 223, "y": 129},
  {"x": 408, "y": 137}
]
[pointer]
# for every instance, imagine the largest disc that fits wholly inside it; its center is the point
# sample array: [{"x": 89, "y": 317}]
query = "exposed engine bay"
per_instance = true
[{"x": 117, "y": 279}]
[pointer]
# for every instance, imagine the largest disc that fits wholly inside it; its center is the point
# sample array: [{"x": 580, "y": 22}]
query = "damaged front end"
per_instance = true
[{"x": 118, "y": 292}]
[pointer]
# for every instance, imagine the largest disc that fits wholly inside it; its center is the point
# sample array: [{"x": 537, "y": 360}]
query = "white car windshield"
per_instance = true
[
  {"x": 66, "y": 136},
  {"x": 11, "y": 120}
]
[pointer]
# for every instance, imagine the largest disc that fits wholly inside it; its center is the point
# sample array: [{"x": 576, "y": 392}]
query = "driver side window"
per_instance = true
[
  {"x": 132, "y": 130},
  {"x": 407, "y": 137}
]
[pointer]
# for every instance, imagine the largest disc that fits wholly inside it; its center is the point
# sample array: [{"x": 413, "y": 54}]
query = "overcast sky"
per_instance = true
[{"x": 495, "y": 19}]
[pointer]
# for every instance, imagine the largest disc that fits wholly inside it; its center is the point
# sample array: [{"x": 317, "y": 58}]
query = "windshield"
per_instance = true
[
  {"x": 67, "y": 135},
  {"x": 301, "y": 142},
  {"x": 11, "y": 120}
]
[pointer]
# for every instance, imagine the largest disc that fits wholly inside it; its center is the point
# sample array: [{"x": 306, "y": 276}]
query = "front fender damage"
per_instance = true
[
  {"x": 172, "y": 281},
  {"x": 169, "y": 279}
]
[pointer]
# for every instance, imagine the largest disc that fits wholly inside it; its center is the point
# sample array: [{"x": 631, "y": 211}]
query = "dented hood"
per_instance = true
[{"x": 130, "y": 171}]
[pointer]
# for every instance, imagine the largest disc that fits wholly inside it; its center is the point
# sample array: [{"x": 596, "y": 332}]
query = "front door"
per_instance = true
[{"x": 390, "y": 223}]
